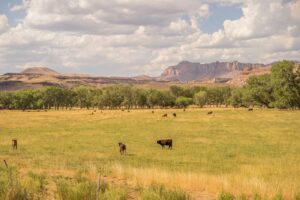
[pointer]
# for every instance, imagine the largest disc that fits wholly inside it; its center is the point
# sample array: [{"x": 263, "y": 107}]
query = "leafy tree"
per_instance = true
[
  {"x": 200, "y": 98},
  {"x": 258, "y": 91},
  {"x": 183, "y": 102},
  {"x": 139, "y": 98},
  {"x": 236, "y": 99},
  {"x": 177, "y": 91},
  {"x": 285, "y": 87}
]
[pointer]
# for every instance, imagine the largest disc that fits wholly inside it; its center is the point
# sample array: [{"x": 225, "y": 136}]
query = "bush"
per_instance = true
[
  {"x": 31, "y": 187},
  {"x": 297, "y": 197},
  {"x": 159, "y": 192},
  {"x": 225, "y": 196},
  {"x": 279, "y": 196},
  {"x": 81, "y": 188}
]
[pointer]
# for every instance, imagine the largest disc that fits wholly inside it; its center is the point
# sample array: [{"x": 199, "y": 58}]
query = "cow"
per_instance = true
[
  {"x": 122, "y": 148},
  {"x": 174, "y": 115},
  {"x": 152, "y": 111},
  {"x": 250, "y": 109},
  {"x": 14, "y": 143},
  {"x": 210, "y": 112},
  {"x": 165, "y": 115},
  {"x": 184, "y": 110},
  {"x": 165, "y": 142}
]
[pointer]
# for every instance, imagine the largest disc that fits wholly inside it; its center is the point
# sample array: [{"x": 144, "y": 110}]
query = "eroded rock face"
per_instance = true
[
  {"x": 39, "y": 70},
  {"x": 188, "y": 71}
]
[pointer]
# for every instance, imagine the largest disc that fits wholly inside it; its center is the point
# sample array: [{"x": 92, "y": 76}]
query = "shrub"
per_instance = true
[
  {"x": 159, "y": 192},
  {"x": 31, "y": 187},
  {"x": 225, "y": 196},
  {"x": 81, "y": 188}
]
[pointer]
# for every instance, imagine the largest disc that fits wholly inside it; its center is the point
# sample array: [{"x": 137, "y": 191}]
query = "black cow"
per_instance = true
[
  {"x": 210, "y": 112},
  {"x": 174, "y": 115},
  {"x": 165, "y": 142},
  {"x": 250, "y": 109},
  {"x": 14, "y": 144},
  {"x": 122, "y": 148}
]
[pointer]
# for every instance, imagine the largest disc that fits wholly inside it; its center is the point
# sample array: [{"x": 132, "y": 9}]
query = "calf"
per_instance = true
[
  {"x": 165, "y": 115},
  {"x": 122, "y": 148},
  {"x": 210, "y": 112},
  {"x": 174, "y": 115},
  {"x": 14, "y": 144},
  {"x": 165, "y": 142}
]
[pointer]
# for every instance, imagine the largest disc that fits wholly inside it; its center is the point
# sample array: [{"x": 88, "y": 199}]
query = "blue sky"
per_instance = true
[{"x": 127, "y": 38}]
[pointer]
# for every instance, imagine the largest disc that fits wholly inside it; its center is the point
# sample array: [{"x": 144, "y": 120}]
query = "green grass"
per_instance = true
[{"x": 233, "y": 149}]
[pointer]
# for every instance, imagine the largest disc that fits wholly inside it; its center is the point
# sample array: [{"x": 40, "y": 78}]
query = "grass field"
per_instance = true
[{"x": 233, "y": 150}]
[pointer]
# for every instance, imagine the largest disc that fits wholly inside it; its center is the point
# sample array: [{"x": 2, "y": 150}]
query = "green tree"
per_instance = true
[
  {"x": 176, "y": 91},
  {"x": 183, "y": 102},
  {"x": 200, "y": 98},
  {"x": 258, "y": 91},
  {"x": 236, "y": 98},
  {"x": 285, "y": 87}
]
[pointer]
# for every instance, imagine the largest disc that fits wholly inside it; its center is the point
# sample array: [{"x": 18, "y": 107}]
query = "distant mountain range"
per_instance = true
[
  {"x": 188, "y": 71},
  {"x": 232, "y": 73}
]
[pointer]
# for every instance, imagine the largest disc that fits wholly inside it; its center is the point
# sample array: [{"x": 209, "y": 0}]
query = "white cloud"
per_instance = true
[
  {"x": 128, "y": 37},
  {"x": 3, "y": 23},
  {"x": 23, "y": 6}
]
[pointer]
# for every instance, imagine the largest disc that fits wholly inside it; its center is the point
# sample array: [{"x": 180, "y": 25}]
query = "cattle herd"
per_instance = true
[{"x": 122, "y": 147}]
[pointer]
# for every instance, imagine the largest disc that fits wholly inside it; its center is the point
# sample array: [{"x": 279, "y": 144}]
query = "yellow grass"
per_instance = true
[{"x": 232, "y": 150}]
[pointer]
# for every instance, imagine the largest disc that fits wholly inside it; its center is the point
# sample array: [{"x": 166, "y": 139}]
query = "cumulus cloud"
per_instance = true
[
  {"x": 3, "y": 23},
  {"x": 129, "y": 37},
  {"x": 23, "y": 6}
]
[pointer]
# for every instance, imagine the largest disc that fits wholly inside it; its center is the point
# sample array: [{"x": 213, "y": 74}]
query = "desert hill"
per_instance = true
[
  {"x": 188, "y": 71},
  {"x": 39, "y": 70},
  {"x": 231, "y": 73}
]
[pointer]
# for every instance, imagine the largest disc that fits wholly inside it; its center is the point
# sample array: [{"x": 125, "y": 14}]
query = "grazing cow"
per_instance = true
[
  {"x": 165, "y": 115},
  {"x": 14, "y": 144},
  {"x": 174, "y": 115},
  {"x": 122, "y": 148},
  {"x": 250, "y": 109},
  {"x": 210, "y": 112},
  {"x": 167, "y": 142}
]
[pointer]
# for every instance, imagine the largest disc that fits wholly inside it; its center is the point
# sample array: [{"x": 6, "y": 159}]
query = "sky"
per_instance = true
[{"x": 134, "y": 37}]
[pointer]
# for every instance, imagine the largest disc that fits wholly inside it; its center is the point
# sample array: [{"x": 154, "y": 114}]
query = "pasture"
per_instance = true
[{"x": 232, "y": 150}]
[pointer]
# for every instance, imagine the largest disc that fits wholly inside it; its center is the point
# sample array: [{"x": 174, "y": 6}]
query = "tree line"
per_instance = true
[{"x": 280, "y": 89}]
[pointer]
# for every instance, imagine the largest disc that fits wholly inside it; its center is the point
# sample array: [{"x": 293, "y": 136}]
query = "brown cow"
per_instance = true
[
  {"x": 250, "y": 109},
  {"x": 210, "y": 112},
  {"x": 122, "y": 148},
  {"x": 174, "y": 115},
  {"x": 152, "y": 111},
  {"x": 165, "y": 115},
  {"x": 167, "y": 142},
  {"x": 14, "y": 144}
]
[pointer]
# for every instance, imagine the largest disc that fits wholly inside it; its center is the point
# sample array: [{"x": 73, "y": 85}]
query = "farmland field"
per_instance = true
[{"x": 232, "y": 150}]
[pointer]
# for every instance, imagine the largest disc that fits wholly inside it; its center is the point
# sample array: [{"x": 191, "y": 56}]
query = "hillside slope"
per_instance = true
[{"x": 188, "y": 71}]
